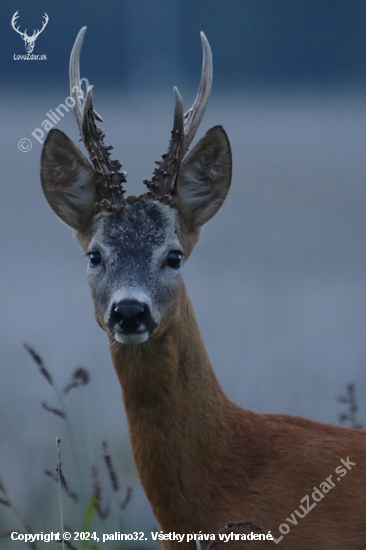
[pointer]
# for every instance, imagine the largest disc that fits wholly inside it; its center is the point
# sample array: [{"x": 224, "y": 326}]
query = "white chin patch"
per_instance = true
[{"x": 131, "y": 338}]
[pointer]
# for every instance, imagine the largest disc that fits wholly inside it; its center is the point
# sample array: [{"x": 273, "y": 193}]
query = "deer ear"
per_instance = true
[
  {"x": 68, "y": 181},
  {"x": 204, "y": 179}
]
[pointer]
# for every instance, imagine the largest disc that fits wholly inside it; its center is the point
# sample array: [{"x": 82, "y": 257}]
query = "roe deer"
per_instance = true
[{"x": 202, "y": 460}]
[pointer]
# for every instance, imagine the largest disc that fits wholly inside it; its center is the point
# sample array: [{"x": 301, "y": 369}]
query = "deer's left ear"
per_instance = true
[{"x": 204, "y": 179}]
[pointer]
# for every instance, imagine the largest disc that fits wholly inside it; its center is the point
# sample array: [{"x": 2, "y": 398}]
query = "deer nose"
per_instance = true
[{"x": 131, "y": 316}]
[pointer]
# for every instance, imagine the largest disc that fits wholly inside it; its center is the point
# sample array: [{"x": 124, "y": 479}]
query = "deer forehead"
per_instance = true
[{"x": 139, "y": 231}]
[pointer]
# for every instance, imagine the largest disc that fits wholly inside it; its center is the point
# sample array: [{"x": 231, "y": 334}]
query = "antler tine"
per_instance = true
[
  {"x": 38, "y": 32},
  {"x": 178, "y": 127},
  {"x": 13, "y": 21},
  {"x": 74, "y": 76},
  {"x": 194, "y": 116},
  {"x": 14, "y": 18},
  {"x": 162, "y": 183},
  {"x": 109, "y": 178},
  {"x": 184, "y": 130}
]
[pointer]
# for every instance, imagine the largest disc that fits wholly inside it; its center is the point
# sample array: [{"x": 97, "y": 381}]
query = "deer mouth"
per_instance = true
[{"x": 137, "y": 337}]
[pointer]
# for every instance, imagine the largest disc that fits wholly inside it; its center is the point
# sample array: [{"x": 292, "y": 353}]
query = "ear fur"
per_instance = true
[
  {"x": 68, "y": 181},
  {"x": 204, "y": 179}
]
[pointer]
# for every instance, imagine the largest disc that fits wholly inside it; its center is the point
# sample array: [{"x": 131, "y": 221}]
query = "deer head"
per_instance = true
[
  {"x": 29, "y": 40},
  {"x": 137, "y": 245}
]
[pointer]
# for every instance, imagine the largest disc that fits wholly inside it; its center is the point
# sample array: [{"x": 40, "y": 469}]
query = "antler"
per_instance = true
[
  {"x": 108, "y": 176},
  {"x": 184, "y": 130},
  {"x": 13, "y": 21},
  {"x": 37, "y": 33}
]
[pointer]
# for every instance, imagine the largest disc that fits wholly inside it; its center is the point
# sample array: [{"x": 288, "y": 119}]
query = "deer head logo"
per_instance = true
[{"x": 29, "y": 40}]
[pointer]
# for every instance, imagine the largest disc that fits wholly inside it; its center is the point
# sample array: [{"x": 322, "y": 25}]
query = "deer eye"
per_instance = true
[
  {"x": 95, "y": 257},
  {"x": 174, "y": 259}
]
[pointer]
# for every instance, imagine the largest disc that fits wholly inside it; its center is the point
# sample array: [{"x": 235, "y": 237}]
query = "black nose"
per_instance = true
[{"x": 131, "y": 316}]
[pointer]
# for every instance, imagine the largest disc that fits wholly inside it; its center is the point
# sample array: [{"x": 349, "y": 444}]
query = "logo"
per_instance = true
[{"x": 29, "y": 40}]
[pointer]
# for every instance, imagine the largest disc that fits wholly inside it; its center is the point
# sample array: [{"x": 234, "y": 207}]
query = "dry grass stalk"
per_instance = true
[
  {"x": 103, "y": 513},
  {"x": 40, "y": 364},
  {"x": 54, "y": 410},
  {"x": 63, "y": 482},
  {"x": 110, "y": 468},
  {"x": 350, "y": 417},
  {"x": 125, "y": 502},
  {"x": 80, "y": 377}
]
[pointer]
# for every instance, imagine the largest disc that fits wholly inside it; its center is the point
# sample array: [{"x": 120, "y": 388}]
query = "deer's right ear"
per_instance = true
[{"x": 68, "y": 181}]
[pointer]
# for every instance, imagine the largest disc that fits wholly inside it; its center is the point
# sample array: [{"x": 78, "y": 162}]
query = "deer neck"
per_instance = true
[{"x": 176, "y": 410}]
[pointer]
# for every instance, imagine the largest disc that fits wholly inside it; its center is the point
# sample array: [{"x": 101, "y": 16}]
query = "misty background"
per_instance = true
[{"x": 278, "y": 278}]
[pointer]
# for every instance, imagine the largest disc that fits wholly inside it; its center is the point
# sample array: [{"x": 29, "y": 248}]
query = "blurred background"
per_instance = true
[{"x": 278, "y": 278}]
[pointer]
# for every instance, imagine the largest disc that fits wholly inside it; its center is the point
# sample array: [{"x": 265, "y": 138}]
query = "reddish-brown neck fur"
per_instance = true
[
  {"x": 203, "y": 461},
  {"x": 176, "y": 413}
]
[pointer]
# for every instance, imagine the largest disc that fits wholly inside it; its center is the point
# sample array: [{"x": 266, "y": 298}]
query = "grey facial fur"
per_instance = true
[{"x": 134, "y": 243}]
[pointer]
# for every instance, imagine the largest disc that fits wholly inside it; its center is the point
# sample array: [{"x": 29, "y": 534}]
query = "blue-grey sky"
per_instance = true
[{"x": 144, "y": 42}]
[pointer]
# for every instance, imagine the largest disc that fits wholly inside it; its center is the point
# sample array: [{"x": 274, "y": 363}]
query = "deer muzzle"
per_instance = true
[{"x": 131, "y": 321}]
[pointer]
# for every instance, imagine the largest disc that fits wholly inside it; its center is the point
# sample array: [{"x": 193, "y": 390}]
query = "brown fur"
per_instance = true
[{"x": 203, "y": 461}]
